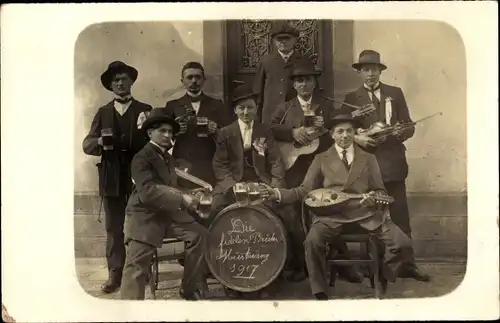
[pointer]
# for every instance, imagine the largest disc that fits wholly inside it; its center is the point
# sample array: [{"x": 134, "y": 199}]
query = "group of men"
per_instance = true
[{"x": 143, "y": 198}]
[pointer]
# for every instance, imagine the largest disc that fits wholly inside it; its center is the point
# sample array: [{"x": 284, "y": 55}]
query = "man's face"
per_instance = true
[
  {"x": 370, "y": 74},
  {"x": 121, "y": 84},
  {"x": 193, "y": 79},
  {"x": 246, "y": 110},
  {"x": 343, "y": 134},
  {"x": 284, "y": 42},
  {"x": 162, "y": 135},
  {"x": 304, "y": 85}
]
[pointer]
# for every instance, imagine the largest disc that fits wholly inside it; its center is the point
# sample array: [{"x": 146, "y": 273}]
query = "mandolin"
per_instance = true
[
  {"x": 328, "y": 201},
  {"x": 291, "y": 151}
]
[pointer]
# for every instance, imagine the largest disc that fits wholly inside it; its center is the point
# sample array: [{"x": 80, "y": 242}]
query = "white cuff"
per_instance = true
[{"x": 279, "y": 195}]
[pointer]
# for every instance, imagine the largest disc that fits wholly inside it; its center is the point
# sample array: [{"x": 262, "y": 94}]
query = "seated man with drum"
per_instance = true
[
  {"x": 156, "y": 204},
  {"x": 345, "y": 168}
]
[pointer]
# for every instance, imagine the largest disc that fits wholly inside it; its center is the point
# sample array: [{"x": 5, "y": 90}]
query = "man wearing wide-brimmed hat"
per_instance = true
[
  {"x": 392, "y": 109},
  {"x": 271, "y": 82},
  {"x": 114, "y": 135},
  {"x": 346, "y": 167},
  {"x": 157, "y": 205},
  {"x": 288, "y": 126}
]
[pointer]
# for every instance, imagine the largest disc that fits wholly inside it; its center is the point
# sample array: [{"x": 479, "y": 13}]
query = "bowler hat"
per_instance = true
[
  {"x": 343, "y": 117},
  {"x": 242, "y": 92},
  {"x": 158, "y": 116},
  {"x": 115, "y": 68},
  {"x": 303, "y": 67},
  {"x": 284, "y": 28},
  {"x": 368, "y": 57}
]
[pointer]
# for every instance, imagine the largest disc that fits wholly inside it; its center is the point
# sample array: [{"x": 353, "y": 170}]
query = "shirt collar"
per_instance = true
[
  {"x": 161, "y": 148},
  {"x": 302, "y": 102},
  {"x": 286, "y": 56},
  {"x": 376, "y": 86},
  {"x": 243, "y": 125},
  {"x": 194, "y": 95},
  {"x": 350, "y": 149}
]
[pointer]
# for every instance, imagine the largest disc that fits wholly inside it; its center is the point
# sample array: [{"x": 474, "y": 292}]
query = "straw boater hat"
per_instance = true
[
  {"x": 368, "y": 57},
  {"x": 242, "y": 92},
  {"x": 158, "y": 116},
  {"x": 114, "y": 68},
  {"x": 303, "y": 67},
  {"x": 284, "y": 28}
]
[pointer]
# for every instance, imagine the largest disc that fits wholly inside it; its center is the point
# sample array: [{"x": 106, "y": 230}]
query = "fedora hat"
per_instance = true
[
  {"x": 368, "y": 57},
  {"x": 303, "y": 67},
  {"x": 284, "y": 28},
  {"x": 158, "y": 116},
  {"x": 242, "y": 92},
  {"x": 115, "y": 68},
  {"x": 343, "y": 117}
]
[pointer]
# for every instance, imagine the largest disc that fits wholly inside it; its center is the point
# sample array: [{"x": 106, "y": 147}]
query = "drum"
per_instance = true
[{"x": 247, "y": 247}]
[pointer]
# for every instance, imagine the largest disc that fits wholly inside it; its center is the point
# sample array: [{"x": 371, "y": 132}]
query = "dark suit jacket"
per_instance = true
[
  {"x": 112, "y": 162},
  {"x": 272, "y": 83},
  {"x": 294, "y": 118},
  {"x": 197, "y": 151},
  {"x": 156, "y": 199},
  {"x": 228, "y": 161},
  {"x": 328, "y": 170},
  {"x": 391, "y": 155}
]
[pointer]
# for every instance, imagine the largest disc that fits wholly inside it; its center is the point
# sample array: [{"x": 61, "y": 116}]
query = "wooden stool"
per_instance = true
[
  {"x": 154, "y": 274},
  {"x": 371, "y": 257}
]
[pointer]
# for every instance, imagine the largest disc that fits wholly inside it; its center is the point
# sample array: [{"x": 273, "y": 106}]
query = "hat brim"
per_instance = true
[
  {"x": 290, "y": 33},
  {"x": 244, "y": 97},
  {"x": 358, "y": 66},
  {"x": 155, "y": 120},
  {"x": 335, "y": 122},
  {"x": 108, "y": 75},
  {"x": 294, "y": 75}
]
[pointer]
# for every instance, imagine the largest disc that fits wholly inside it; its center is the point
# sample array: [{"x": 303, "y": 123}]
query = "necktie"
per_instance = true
[
  {"x": 195, "y": 98},
  {"x": 344, "y": 159},
  {"x": 247, "y": 138},
  {"x": 123, "y": 100},
  {"x": 375, "y": 100}
]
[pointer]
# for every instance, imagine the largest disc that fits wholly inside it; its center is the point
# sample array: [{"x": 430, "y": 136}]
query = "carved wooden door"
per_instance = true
[{"x": 247, "y": 41}]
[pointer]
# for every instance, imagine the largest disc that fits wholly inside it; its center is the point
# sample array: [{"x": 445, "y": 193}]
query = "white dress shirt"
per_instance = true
[
  {"x": 304, "y": 104},
  {"x": 196, "y": 105},
  {"x": 286, "y": 57},
  {"x": 376, "y": 92},
  {"x": 246, "y": 134},
  {"x": 349, "y": 154},
  {"x": 161, "y": 148},
  {"x": 121, "y": 108}
]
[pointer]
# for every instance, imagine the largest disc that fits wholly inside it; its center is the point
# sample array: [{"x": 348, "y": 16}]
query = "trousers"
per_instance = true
[
  {"x": 397, "y": 246},
  {"x": 114, "y": 218},
  {"x": 139, "y": 256}
]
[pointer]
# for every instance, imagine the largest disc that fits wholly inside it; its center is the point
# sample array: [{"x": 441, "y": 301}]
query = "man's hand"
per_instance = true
[
  {"x": 190, "y": 202},
  {"x": 99, "y": 141},
  {"x": 365, "y": 141},
  {"x": 300, "y": 136},
  {"x": 183, "y": 128},
  {"x": 368, "y": 200},
  {"x": 212, "y": 127},
  {"x": 398, "y": 132}
]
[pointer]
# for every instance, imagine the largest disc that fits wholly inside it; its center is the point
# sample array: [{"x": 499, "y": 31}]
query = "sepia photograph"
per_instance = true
[
  {"x": 270, "y": 159},
  {"x": 250, "y": 162}
]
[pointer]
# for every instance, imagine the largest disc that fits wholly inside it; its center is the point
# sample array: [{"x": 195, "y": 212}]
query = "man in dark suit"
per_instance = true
[
  {"x": 347, "y": 168},
  {"x": 288, "y": 126},
  {"x": 391, "y": 153},
  {"x": 114, "y": 135},
  {"x": 155, "y": 206},
  {"x": 271, "y": 82},
  {"x": 195, "y": 147}
]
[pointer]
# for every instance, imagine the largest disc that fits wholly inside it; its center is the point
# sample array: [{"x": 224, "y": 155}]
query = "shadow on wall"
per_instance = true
[{"x": 157, "y": 49}]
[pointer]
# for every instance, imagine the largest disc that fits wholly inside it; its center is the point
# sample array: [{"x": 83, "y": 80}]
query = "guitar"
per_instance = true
[
  {"x": 291, "y": 151},
  {"x": 328, "y": 201}
]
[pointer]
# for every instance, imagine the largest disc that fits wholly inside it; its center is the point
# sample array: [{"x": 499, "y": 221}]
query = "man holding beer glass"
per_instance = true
[
  {"x": 114, "y": 135},
  {"x": 301, "y": 121}
]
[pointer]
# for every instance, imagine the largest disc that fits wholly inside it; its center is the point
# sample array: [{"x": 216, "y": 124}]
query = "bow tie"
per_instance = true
[
  {"x": 123, "y": 100},
  {"x": 195, "y": 98}
]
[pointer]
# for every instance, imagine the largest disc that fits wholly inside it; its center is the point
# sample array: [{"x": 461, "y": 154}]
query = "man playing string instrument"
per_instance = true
[{"x": 347, "y": 168}]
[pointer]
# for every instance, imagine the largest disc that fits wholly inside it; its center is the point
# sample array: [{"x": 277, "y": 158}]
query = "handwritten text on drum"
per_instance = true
[{"x": 243, "y": 235}]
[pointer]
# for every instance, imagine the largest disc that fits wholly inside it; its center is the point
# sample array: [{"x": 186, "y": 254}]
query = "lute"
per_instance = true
[
  {"x": 291, "y": 151},
  {"x": 328, "y": 201}
]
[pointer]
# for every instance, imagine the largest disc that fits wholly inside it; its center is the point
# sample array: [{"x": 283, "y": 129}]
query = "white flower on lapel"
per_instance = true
[
  {"x": 388, "y": 110},
  {"x": 140, "y": 120},
  {"x": 260, "y": 145}
]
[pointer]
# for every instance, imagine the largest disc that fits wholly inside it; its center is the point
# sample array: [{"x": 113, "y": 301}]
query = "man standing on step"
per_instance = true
[
  {"x": 271, "y": 83},
  {"x": 392, "y": 109},
  {"x": 114, "y": 135}
]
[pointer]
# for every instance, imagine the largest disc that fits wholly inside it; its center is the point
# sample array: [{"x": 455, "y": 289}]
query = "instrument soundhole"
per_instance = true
[{"x": 334, "y": 196}]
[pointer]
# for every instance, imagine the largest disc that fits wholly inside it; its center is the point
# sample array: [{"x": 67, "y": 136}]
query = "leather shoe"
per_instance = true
[
  {"x": 414, "y": 273},
  {"x": 349, "y": 274},
  {"x": 191, "y": 296},
  {"x": 111, "y": 285},
  {"x": 321, "y": 296}
]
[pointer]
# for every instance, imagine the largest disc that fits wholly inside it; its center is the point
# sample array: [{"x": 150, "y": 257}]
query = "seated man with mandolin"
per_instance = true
[{"x": 349, "y": 172}]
